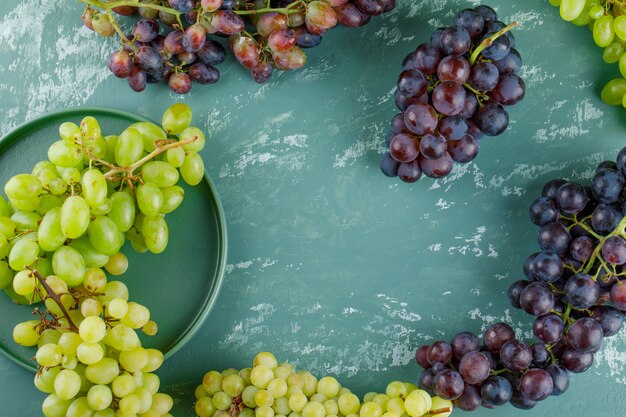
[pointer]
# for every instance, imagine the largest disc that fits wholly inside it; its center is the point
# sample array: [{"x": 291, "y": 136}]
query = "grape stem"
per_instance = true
[
  {"x": 581, "y": 223},
  {"x": 501, "y": 371},
  {"x": 440, "y": 411},
  {"x": 480, "y": 97},
  {"x": 20, "y": 234},
  {"x": 472, "y": 89},
  {"x": 56, "y": 298},
  {"x": 487, "y": 42},
  {"x": 119, "y": 3},
  {"x": 123, "y": 37},
  {"x": 236, "y": 407},
  {"x": 283, "y": 10},
  {"x": 549, "y": 349},
  {"x": 115, "y": 170},
  {"x": 566, "y": 317},
  {"x": 619, "y": 231}
]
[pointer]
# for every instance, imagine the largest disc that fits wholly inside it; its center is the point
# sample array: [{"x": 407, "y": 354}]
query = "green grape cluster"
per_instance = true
[
  {"x": 75, "y": 210},
  {"x": 62, "y": 227},
  {"x": 91, "y": 362},
  {"x": 607, "y": 21},
  {"x": 272, "y": 389}
]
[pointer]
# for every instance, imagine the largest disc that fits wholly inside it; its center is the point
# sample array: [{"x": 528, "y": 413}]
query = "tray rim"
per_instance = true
[{"x": 209, "y": 301}]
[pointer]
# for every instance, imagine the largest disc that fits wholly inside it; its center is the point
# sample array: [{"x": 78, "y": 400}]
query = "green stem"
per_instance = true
[
  {"x": 501, "y": 371},
  {"x": 283, "y": 10},
  {"x": 568, "y": 310},
  {"x": 115, "y": 170},
  {"x": 619, "y": 231},
  {"x": 117, "y": 28},
  {"x": 554, "y": 288},
  {"x": 479, "y": 96},
  {"x": 472, "y": 89},
  {"x": 487, "y": 42},
  {"x": 20, "y": 234},
  {"x": 581, "y": 223},
  {"x": 549, "y": 349},
  {"x": 120, "y": 3}
]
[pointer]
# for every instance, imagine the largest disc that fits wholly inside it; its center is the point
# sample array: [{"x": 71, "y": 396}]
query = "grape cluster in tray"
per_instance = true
[
  {"x": 452, "y": 91},
  {"x": 575, "y": 288}
]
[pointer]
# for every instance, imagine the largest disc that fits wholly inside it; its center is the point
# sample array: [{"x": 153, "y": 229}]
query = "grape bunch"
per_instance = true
[
  {"x": 499, "y": 370},
  {"x": 76, "y": 210},
  {"x": 451, "y": 92},
  {"x": 575, "y": 287},
  {"x": 607, "y": 21},
  {"x": 91, "y": 362},
  {"x": 262, "y": 35},
  {"x": 272, "y": 389},
  {"x": 63, "y": 226}
]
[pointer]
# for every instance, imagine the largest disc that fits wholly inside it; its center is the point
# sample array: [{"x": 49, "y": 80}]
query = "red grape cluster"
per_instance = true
[
  {"x": 575, "y": 288},
  {"x": 262, "y": 35},
  {"x": 452, "y": 91}
]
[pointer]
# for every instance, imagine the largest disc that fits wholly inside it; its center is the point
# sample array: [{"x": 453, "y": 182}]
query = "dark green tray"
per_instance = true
[{"x": 179, "y": 286}]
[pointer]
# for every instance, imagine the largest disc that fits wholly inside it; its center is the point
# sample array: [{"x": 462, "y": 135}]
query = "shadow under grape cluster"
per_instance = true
[
  {"x": 574, "y": 287},
  {"x": 451, "y": 92},
  {"x": 262, "y": 35}
]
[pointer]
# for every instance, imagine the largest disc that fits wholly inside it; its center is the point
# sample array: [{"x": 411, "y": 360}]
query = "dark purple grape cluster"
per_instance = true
[
  {"x": 491, "y": 373},
  {"x": 262, "y": 35},
  {"x": 453, "y": 91},
  {"x": 575, "y": 287}
]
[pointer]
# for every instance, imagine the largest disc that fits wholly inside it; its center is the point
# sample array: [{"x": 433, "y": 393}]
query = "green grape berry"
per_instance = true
[
  {"x": 613, "y": 52},
  {"x": 195, "y": 134},
  {"x": 122, "y": 210},
  {"x": 614, "y": 91},
  {"x": 192, "y": 169},
  {"x": 150, "y": 133},
  {"x": 221, "y": 400},
  {"x": 90, "y": 129},
  {"x": 417, "y": 404},
  {"x": 26, "y": 333},
  {"x": 603, "y": 32},
  {"x": 571, "y": 9},
  {"x": 129, "y": 147},
  {"x": 619, "y": 25},
  {"x": 69, "y": 131},
  {"x": 149, "y": 199},
  {"x": 69, "y": 265},
  {"x": 64, "y": 154},
  {"x": 233, "y": 385},
  {"x": 160, "y": 173},
  {"x": 176, "y": 118},
  {"x": 23, "y": 254},
  {"x": 94, "y": 187},
  {"x": 75, "y": 217},
  {"x": 23, "y": 186},
  {"x": 596, "y": 12}
]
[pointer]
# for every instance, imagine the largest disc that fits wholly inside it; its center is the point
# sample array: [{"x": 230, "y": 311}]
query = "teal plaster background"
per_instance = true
[{"x": 331, "y": 265}]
